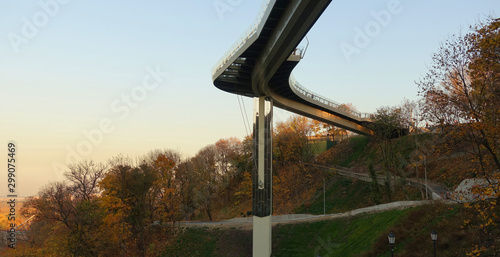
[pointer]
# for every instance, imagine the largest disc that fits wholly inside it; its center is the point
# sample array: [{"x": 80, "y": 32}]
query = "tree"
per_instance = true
[
  {"x": 290, "y": 141},
  {"x": 334, "y": 131},
  {"x": 461, "y": 94},
  {"x": 165, "y": 200},
  {"x": 85, "y": 176},
  {"x": 126, "y": 192},
  {"x": 188, "y": 182},
  {"x": 389, "y": 124},
  {"x": 69, "y": 217},
  {"x": 409, "y": 115},
  {"x": 291, "y": 151},
  {"x": 227, "y": 152},
  {"x": 209, "y": 180},
  {"x": 485, "y": 74}
]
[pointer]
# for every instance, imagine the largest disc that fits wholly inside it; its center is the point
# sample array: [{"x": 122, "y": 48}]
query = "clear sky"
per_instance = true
[{"x": 94, "y": 79}]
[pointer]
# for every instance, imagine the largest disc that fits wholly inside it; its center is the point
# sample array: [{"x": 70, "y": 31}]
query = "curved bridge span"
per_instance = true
[
  {"x": 261, "y": 63},
  {"x": 260, "y": 66}
]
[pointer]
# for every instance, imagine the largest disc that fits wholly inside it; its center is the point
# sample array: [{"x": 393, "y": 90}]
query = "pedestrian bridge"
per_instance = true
[{"x": 261, "y": 64}]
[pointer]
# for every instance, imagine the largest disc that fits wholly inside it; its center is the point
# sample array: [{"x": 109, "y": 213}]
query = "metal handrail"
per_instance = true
[
  {"x": 243, "y": 39},
  {"x": 299, "y": 88}
]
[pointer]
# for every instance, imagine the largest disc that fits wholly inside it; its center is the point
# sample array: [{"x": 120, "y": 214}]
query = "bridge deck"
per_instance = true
[{"x": 261, "y": 63}]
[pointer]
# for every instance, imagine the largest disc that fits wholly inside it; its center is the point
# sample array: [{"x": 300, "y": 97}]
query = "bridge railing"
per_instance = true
[
  {"x": 243, "y": 39},
  {"x": 302, "y": 90}
]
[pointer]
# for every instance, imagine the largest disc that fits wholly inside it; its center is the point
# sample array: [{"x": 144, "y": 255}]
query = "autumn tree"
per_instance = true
[
  {"x": 389, "y": 124},
  {"x": 291, "y": 151},
  {"x": 244, "y": 163},
  {"x": 227, "y": 152},
  {"x": 485, "y": 74},
  {"x": 136, "y": 196},
  {"x": 69, "y": 217},
  {"x": 385, "y": 126},
  {"x": 461, "y": 95},
  {"x": 127, "y": 191},
  {"x": 212, "y": 175},
  {"x": 290, "y": 140},
  {"x": 188, "y": 181},
  {"x": 333, "y": 131},
  {"x": 165, "y": 200},
  {"x": 84, "y": 177},
  {"x": 204, "y": 164}
]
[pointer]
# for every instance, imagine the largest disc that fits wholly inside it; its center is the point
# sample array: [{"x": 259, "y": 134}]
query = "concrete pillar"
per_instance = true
[{"x": 262, "y": 177}]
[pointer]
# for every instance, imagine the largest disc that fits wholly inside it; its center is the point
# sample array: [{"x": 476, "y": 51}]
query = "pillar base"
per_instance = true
[{"x": 262, "y": 233}]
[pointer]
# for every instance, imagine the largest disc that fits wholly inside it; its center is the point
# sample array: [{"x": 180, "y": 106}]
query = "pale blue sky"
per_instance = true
[{"x": 70, "y": 75}]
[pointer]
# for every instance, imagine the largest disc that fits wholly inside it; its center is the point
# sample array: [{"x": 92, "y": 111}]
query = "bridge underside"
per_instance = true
[{"x": 263, "y": 65}]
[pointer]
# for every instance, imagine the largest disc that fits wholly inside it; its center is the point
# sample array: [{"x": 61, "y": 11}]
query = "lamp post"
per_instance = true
[
  {"x": 434, "y": 237},
  {"x": 392, "y": 239}
]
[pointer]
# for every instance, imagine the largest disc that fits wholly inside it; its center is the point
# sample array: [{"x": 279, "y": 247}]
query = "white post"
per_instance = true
[{"x": 262, "y": 182}]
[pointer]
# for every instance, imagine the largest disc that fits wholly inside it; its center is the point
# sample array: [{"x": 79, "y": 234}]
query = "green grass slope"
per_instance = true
[
  {"x": 340, "y": 237},
  {"x": 342, "y": 194},
  {"x": 362, "y": 235}
]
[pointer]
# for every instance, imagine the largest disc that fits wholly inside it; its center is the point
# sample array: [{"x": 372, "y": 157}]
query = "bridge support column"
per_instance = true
[{"x": 262, "y": 177}]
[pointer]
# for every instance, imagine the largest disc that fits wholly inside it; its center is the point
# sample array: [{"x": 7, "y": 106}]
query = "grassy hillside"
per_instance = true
[
  {"x": 193, "y": 242},
  {"x": 342, "y": 194},
  {"x": 345, "y": 194},
  {"x": 362, "y": 235},
  {"x": 341, "y": 237},
  {"x": 359, "y": 151}
]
